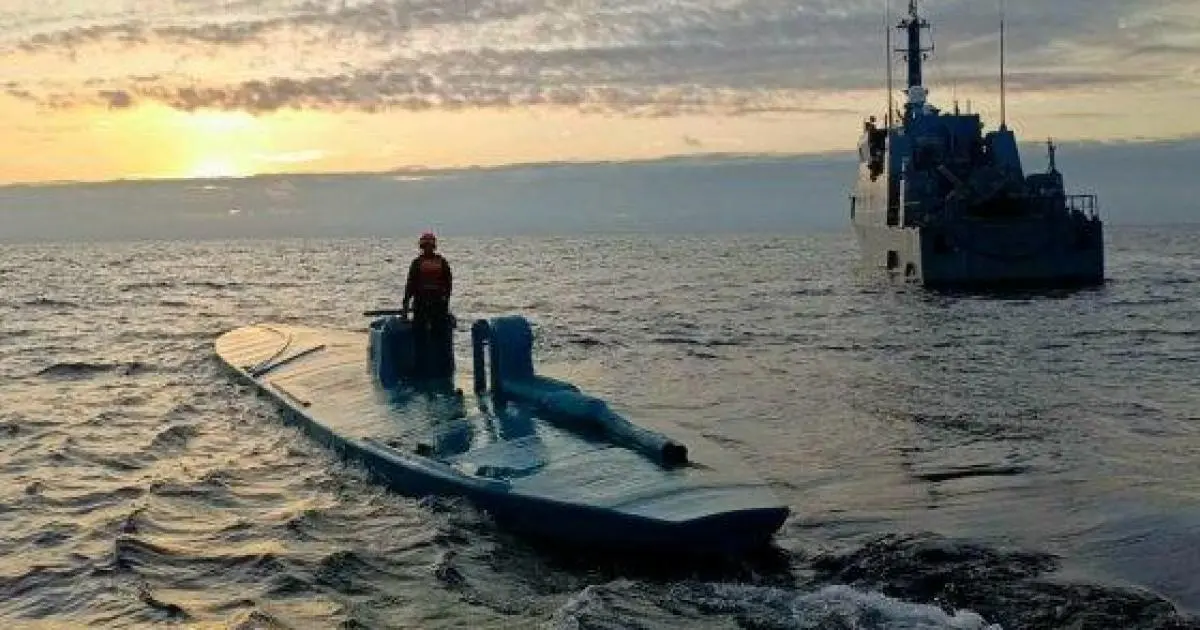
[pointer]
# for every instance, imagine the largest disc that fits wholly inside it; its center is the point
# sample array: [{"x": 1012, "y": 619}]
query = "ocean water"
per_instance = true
[{"x": 951, "y": 461}]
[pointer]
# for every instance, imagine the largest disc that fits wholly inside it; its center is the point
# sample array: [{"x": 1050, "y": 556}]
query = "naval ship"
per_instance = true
[{"x": 942, "y": 204}]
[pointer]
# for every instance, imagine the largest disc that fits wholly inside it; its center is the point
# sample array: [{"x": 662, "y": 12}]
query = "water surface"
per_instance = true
[{"x": 932, "y": 447}]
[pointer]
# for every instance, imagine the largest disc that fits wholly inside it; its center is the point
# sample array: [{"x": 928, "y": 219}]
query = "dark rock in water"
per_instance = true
[{"x": 1006, "y": 587}]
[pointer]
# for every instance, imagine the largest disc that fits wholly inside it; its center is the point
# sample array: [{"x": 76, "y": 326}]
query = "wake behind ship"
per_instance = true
[{"x": 942, "y": 204}]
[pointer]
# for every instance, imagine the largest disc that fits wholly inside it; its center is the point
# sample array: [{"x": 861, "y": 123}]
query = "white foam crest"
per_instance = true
[
  {"x": 868, "y": 611},
  {"x": 838, "y": 606}
]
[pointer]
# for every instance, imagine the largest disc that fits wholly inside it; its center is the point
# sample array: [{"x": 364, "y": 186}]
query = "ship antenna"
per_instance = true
[
  {"x": 887, "y": 27},
  {"x": 915, "y": 54},
  {"x": 1003, "y": 95}
]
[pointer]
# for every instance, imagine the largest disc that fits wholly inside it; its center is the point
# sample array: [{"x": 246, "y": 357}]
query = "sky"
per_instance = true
[{"x": 94, "y": 90}]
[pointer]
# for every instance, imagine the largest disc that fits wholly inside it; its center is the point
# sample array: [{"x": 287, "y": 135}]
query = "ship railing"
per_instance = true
[{"x": 1087, "y": 205}]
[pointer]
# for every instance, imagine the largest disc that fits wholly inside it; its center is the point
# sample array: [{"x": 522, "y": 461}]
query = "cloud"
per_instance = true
[
  {"x": 116, "y": 99},
  {"x": 633, "y": 57}
]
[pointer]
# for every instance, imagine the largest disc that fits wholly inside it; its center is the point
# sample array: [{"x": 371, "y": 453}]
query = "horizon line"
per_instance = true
[{"x": 434, "y": 171}]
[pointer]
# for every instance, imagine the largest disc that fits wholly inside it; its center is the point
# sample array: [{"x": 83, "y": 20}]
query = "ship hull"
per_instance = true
[{"x": 984, "y": 255}]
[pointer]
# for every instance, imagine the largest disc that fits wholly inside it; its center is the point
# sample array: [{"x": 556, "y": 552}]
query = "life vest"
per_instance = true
[{"x": 431, "y": 276}]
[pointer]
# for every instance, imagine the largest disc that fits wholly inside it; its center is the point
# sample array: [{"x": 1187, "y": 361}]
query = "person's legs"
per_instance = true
[
  {"x": 439, "y": 346},
  {"x": 420, "y": 338}
]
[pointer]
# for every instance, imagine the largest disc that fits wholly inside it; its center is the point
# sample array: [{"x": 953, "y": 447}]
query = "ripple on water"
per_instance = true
[
  {"x": 84, "y": 369},
  {"x": 139, "y": 486}
]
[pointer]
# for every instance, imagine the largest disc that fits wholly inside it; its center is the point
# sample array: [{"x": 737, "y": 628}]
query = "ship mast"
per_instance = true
[
  {"x": 915, "y": 53},
  {"x": 887, "y": 31},
  {"x": 1003, "y": 91}
]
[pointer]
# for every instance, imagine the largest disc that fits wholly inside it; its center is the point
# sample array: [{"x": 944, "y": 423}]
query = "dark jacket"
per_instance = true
[{"x": 429, "y": 279}]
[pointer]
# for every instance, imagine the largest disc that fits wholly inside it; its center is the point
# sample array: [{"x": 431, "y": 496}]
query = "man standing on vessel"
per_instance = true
[{"x": 428, "y": 292}]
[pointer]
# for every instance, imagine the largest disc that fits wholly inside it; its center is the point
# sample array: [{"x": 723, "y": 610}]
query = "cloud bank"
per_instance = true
[{"x": 632, "y": 57}]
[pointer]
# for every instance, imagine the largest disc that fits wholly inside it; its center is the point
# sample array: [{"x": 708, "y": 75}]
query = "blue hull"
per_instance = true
[{"x": 993, "y": 257}]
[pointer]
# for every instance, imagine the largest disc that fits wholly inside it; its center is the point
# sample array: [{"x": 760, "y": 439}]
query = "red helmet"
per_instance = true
[{"x": 427, "y": 239}]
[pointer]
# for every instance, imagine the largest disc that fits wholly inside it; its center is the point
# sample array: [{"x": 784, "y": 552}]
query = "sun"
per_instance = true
[
  {"x": 161, "y": 142},
  {"x": 219, "y": 144}
]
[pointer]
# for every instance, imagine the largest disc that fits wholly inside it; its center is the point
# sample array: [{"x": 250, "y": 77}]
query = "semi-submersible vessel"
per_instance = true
[{"x": 941, "y": 204}]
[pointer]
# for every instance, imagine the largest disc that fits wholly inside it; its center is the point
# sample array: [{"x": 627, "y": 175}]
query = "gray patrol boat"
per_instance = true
[{"x": 941, "y": 204}]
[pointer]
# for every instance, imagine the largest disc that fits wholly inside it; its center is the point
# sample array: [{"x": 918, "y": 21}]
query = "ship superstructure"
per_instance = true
[{"x": 941, "y": 203}]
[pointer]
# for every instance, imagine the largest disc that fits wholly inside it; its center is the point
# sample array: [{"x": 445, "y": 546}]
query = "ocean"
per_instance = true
[{"x": 951, "y": 461}]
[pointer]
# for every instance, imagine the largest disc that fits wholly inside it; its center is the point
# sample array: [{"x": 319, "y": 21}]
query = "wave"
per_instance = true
[
  {"x": 919, "y": 581},
  {"x": 51, "y": 534},
  {"x": 1012, "y": 588},
  {"x": 343, "y": 571},
  {"x": 131, "y": 551},
  {"x": 171, "y": 612},
  {"x": 122, "y": 462},
  {"x": 88, "y": 502},
  {"x": 694, "y": 341},
  {"x": 210, "y": 284},
  {"x": 17, "y": 591},
  {"x": 136, "y": 286},
  {"x": 968, "y": 471},
  {"x": 174, "y": 437},
  {"x": 82, "y": 369},
  {"x": 45, "y": 302},
  {"x": 254, "y": 620},
  {"x": 615, "y": 606}
]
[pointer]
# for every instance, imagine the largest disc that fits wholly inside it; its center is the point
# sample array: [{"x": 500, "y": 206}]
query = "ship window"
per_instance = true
[{"x": 893, "y": 259}]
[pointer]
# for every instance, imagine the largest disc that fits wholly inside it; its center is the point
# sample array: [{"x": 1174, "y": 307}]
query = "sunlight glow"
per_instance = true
[
  {"x": 214, "y": 167},
  {"x": 217, "y": 122},
  {"x": 219, "y": 144}
]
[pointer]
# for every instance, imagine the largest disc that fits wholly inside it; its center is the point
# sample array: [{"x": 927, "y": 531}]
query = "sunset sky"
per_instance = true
[{"x": 105, "y": 89}]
